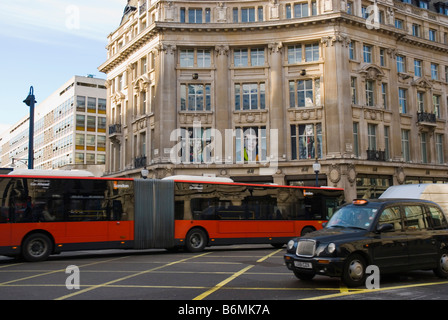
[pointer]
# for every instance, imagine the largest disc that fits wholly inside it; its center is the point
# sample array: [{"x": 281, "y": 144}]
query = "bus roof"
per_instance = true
[
  {"x": 51, "y": 173},
  {"x": 198, "y": 178}
]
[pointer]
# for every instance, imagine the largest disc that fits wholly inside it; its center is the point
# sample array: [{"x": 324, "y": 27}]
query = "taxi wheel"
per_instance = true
[
  {"x": 354, "y": 272},
  {"x": 442, "y": 265}
]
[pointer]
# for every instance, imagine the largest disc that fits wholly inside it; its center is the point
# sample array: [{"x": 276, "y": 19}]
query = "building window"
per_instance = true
[
  {"x": 367, "y": 53},
  {"x": 80, "y": 122},
  {"x": 382, "y": 58},
  {"x": 399, "y": 23},
  {"x": 248, "y": 15},
  {"x": 423, "y": 147},
  {"x": 306, "y": 141},
  {"x": 436, "y": 106},
  {"x": 81, "y": 104},
  {"x": 384, "y": 94},
  {"x": 257, "y": 57},
  {"x": 203, "y": 58},
  {"x": 405, "y": 146},
  {"x": 91, "y": 142},
  {"x": 194, "y": 15},
  {"x": 240, "y": 57},
  {"x": 402, "y": 100},
  {"x": 386, "y": 143},
  {"x": 416, "y": 30},
  {"x": 353, "y": 90},
  {"x": 200, "y": 58},
  {"x": 304, "y": 93},
  {"x": 195, "y": 97},
  {"x": 250, "y": 96},
  {"x": 91, "y": 123},
  {"x": 195, "y": 142},
  {"x": 91, "y": 105},
  {"x": 421, "y": 101},
  {"x": 312, "y": 52},
  {"x": 434, "y": 71},
  {"x": 308, "y": 53},
  {"x": 250, "y": 144},
  {"x": 295, "y": 54},
  {"x": 79, "y": 141},
  {"x": 370, "y": 93},
  {"x": 301, "y": 10},
  {"x": 371, "y": 136},
  {"x": 401, "y": 66},
  {"x": 418, "y": 67},
  {"x": 439, "y": 148},
  {"x": 102, "y": 106},
  {"x": 432, "y": 34},
  {"x": 351, "y": 50},
  {"x": 248, "y": 57},
  {"x": 186, "y": 58},
  {"x": 356, "y": 138}
]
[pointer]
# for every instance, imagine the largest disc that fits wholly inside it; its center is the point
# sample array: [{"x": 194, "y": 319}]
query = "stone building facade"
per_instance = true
[{"x": 358, "y": 86}]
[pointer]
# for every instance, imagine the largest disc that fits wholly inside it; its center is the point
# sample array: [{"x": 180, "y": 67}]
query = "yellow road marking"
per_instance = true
[
  {"x": 54, "y": 271},
  {"x": 232, "y": 277},
  {"x": 127, "y": 277},
  {"x": 222, "y": 283},
  {"x": 362, "y": 291}
]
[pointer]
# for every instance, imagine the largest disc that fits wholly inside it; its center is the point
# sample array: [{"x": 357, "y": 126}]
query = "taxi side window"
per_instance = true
[
  {"x": 437, "y": 218},
  {"x": 415, "y": 217},
  {"x": 391, "y": 215}
]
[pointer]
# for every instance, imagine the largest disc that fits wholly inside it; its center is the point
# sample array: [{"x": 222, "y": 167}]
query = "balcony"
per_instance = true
[
  {"x": 426, "y": 122},
  {"x": 140, "y": 162},
  {"x": 376, "y": 155},
  {"x": 114, "y": 129},
  {"x": 426, "y": 117}
]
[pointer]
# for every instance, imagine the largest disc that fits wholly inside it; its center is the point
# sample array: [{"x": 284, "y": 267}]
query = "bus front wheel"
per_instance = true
[
  {"x": 196, "y": 240},
  {"x": 36, "y": 247}
]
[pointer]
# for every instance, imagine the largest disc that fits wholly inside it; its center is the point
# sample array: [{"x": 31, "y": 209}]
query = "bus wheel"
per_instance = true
[
  {"x": 36, "y": 247},
  {"x": 307, "y": 230},
  {"x": 196, "y": 240}
]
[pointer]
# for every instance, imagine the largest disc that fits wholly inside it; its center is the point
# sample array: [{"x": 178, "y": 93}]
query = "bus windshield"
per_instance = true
[{"x": 353, "y": 216}]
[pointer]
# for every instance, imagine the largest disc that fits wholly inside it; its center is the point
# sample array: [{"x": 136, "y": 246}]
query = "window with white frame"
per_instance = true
[
  {"x": 250, "y": 144},
  {"x": 248, "y": 57},
  {"x": 250, "y": 96},
  {"x": 306, "y": 141},
  {"x": 304, "y": 93},
  {"x": 195, "y": 97}
]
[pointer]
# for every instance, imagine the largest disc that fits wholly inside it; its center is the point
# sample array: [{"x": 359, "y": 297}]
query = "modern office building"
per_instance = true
[
  {"x": 359, "y": 85},
  {"x": 69, "y": 130}
]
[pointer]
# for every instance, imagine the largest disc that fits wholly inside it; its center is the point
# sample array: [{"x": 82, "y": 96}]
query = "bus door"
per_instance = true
[{"x": 119, "y": 228}]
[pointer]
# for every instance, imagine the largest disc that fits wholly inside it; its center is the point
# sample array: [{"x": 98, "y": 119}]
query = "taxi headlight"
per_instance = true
[
  {"x": 290, "y": 244},
  {"x": 331, "y": 247}
]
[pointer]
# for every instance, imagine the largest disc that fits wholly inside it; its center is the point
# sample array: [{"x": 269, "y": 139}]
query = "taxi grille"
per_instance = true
[{"x": 306, "y": 248}]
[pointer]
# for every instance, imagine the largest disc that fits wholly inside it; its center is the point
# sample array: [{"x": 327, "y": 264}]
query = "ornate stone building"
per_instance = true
[{"x": 359, "y": 85}]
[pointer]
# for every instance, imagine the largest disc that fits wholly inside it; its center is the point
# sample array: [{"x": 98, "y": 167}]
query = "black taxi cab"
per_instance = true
[{"x": 395, "y": 235}]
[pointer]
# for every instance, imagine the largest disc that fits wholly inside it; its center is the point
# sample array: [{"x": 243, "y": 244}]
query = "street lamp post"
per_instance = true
[
  {"x": 316, "y": 169},
  {"x": 30, "y": 101}
]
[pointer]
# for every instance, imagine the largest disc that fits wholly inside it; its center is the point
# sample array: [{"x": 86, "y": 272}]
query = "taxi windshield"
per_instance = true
[{"x": 352, "y": 216}]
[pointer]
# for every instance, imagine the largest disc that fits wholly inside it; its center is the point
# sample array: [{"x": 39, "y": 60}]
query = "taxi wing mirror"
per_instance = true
[{"x": 385, "y": 227}]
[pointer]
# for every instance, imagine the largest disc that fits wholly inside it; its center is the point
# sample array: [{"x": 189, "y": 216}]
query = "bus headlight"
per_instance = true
[
  {"x": 331, "y": 248},
  {"x": 290, "y": 244}
]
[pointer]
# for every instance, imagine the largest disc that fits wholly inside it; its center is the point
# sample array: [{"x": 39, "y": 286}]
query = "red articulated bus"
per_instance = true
[{"x": 43, "y": 214}]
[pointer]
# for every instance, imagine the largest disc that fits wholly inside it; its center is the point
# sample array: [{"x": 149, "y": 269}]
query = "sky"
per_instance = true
[{"x": 46, "y": 42}]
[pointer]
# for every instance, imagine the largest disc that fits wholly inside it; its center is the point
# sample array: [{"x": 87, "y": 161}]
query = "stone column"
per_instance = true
[
  {"x": 276, "y": 105},
  {"x": 165, "y": 110},
  {"x": 222, "y": 104}
]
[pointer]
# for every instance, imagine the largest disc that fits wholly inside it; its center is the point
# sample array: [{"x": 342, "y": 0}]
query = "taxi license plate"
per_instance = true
[{"x": 305, "y": 265}]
